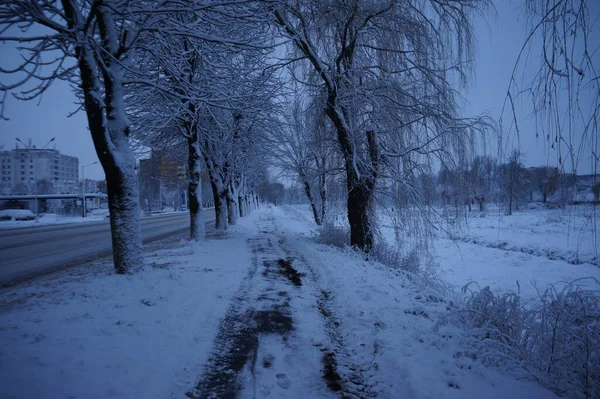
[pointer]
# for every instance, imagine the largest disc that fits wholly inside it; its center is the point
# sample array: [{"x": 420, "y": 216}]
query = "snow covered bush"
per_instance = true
[
  {"x": 333, "y": 234},
  {"x": 554, "y": 340},
  {"x": 392, "y": 256}
]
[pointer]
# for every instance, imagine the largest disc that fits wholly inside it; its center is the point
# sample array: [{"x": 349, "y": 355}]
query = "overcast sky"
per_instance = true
[{"x": 499, "y": 40}]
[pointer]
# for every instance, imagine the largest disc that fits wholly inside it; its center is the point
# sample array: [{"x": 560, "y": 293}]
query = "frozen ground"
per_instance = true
[{"x": 261, "y": 312}]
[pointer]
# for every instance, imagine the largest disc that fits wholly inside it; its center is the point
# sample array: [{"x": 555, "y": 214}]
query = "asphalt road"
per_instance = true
[{"x": 31, "y": 250}]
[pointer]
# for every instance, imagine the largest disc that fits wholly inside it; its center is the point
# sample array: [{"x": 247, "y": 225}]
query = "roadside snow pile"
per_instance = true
[
  {"x": 86, "y": 332},
  {"x": 387, "y": 326}
]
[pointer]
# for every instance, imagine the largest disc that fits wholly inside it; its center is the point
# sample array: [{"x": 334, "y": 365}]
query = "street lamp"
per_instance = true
[
  {"x": 83, "y": 186},
  {"x": 49, "y": 141}
]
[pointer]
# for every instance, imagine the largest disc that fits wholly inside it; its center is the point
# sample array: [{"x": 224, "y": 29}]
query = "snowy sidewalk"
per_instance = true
[
  {"x": 271, "y": 342},
  {"x": 263, "y": 312}
]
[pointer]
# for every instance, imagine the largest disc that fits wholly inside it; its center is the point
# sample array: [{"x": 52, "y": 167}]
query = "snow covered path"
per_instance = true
[
  {"x": 262, "y": 312},
  {"x": 311, "y": 321},
  {"x": 274, "y": 340}
]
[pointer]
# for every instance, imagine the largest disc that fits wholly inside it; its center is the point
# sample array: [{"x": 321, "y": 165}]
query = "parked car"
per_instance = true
[{"x": 17, "y": 214}]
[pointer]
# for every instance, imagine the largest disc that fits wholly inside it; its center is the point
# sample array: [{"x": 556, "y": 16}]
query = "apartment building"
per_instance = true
[{"x": 45, "y": 171}]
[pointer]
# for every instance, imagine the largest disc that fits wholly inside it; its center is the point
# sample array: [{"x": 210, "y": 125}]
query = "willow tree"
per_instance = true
[
  {"x": 561, "y": 48},
  {"x": 387, "y": 68}
]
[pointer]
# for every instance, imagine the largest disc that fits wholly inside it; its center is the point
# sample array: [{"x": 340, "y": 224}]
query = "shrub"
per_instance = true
[
  {"x": 333, "y": 234},
  {"x": 554, "y": 340}
]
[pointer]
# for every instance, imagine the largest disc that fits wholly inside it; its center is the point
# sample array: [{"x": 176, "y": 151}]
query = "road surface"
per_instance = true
[{"x": 30, "y": 250}]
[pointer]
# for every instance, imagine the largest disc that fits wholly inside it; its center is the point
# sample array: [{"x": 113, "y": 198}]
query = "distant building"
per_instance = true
[
  {"x": 43, "y": 171},
  {"x": 163, "y": 180}
]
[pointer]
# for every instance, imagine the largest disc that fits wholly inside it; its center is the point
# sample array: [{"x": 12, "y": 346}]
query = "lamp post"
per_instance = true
[
  {"x": 49, "y": 141},
  {"x": 83, "y": 187}
]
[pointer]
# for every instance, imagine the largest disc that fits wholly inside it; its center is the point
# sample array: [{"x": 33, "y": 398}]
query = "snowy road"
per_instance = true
[{"x": 31, "y": 250}]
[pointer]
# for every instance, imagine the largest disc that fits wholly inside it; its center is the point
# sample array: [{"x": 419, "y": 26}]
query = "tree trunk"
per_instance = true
[
  {"x": 110, "y": 133},
  {"x": 323, "y": 194},
  {"x": 197, "y": 227},
  {"x": 360, "y": 197},
  {"x": 360, "y": 180},
  {"x": 232, "y": 209},
  {"x": 242, "y": 204},
  {"x": 123, "y": 205},
  {"x": 220, "y": 208},
  {"x": 311, "y": 200}
]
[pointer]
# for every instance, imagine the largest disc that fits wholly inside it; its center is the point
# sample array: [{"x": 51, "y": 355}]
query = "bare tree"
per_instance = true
[
  {"x": 292, "y": 150},
  {"x": 85, "y": 43},
  {"x": 200, "y": 77},
  {"x": 515, "y": 181}
]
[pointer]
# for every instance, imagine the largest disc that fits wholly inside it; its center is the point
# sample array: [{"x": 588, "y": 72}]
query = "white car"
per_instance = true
[{"x": 17, "y": 214}]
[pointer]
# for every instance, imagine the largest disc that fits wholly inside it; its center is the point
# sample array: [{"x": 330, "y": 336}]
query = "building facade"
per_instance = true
[
  {"x": 37, "y": 171},
  {"x": 161, "y": 180},
  {"x": 164, "y": 182}
]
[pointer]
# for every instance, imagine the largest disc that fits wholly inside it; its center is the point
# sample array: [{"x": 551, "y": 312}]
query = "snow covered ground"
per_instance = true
[
  {"x": 533, "y": 247},
  {"x": 301, "y": 310},
  {"x": 88, "y": 333},
  {"x": 571, "y": 234}
]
